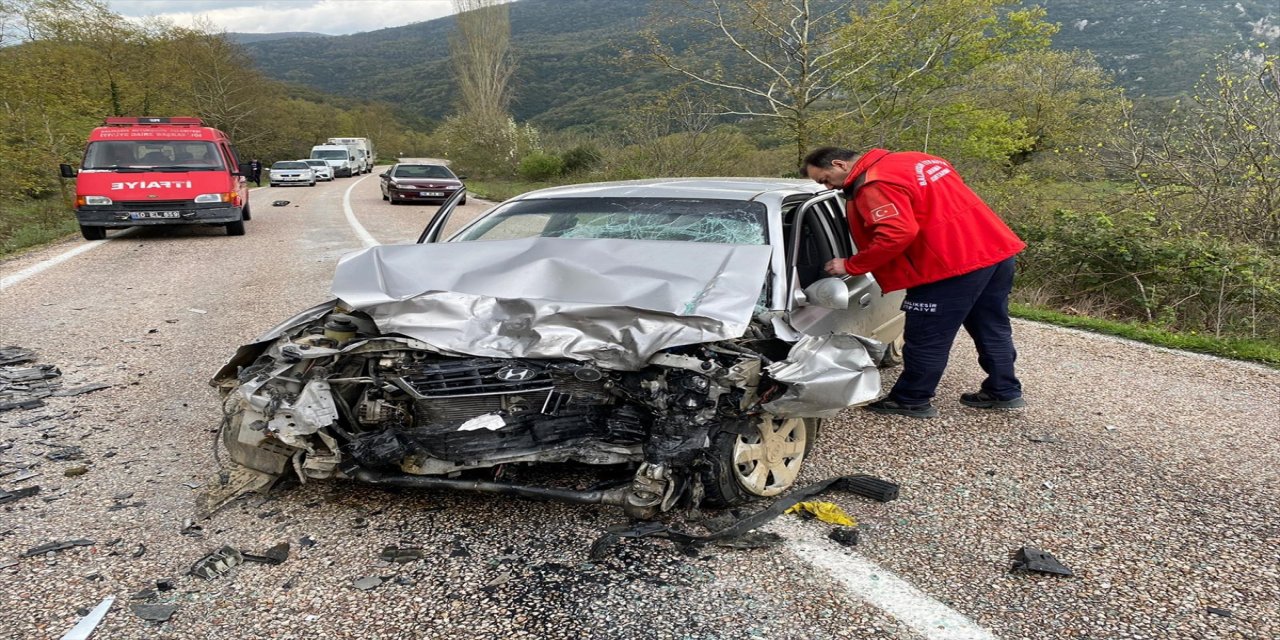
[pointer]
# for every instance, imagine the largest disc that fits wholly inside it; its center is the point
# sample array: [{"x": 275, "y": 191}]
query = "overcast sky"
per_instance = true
[{"x": 271, "y": 16}]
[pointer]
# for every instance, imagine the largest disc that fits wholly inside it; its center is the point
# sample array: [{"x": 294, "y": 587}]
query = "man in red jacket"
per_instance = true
[{"x": 918, "y": 227}]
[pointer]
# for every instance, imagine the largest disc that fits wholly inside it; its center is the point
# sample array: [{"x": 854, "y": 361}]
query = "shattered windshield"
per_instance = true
[
  {"x": 672, "y": 219},
  {"x": 190, "y": 155}
]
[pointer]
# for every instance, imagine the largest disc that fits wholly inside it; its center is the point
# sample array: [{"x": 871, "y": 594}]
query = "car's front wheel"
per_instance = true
[
  {"x": 93, "y": 233},
  {"x": 763, "y": 460}
]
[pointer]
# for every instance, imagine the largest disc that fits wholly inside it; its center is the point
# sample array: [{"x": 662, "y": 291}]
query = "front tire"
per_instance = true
[
  {"x": 761, "y": 464},
  {"x": 313, "y": 183},
  {"x": 93, "y": 233}
]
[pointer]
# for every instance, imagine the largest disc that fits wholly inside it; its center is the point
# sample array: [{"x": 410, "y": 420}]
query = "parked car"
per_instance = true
[
  {"x": 682, "y": 329},
  {"x": 291, "y": 172},
  {"x": 321, "y": 168},
  {"x": 421, "y": 182}
]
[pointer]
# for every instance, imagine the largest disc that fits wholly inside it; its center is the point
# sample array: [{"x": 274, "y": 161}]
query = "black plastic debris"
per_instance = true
[
  {"x": 398, "y": 555},
  {"x": 15, "y": 355},
  {"x": 81, "y": 390},
  {"x": 165, "y": 584},
  {"x": 275, "y": 555},
  {"x": 280, "y": 203},
  {"x": 1045, "y": 438},
  {"x": 847, "y": 536},
  {"x": 218, "y": 563},
  {"x": 50, "y": 547},
  {"x": 1033, "y": 559},
  {"x": 751, "y": 540},
  {"x": 306, "y": 542},
  {"x": 863, "y": 485},
  {"x": 17, "y": 494},
  {"x": 64, "y": 453},
  {"x": 1226, "y": 613},
  {"x": 154, "y": 612},
  {"x": 145, "y": 594}
]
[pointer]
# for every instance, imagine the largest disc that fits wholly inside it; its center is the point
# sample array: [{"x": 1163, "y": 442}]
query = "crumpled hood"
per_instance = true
[{"x": 614, "y": 302}]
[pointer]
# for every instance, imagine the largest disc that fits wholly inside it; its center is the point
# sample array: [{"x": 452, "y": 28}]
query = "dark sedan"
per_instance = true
[{"x": 420, "y": 182}]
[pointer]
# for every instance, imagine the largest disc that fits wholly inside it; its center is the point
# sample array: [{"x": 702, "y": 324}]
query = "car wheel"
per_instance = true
[
  {"x": 313, "y": 183},
  {"x": 271, "y": 184},
  {"x": 393, "y": 201},
  {"x": 384, "y": 197},
  {"x": 245, "y": 214},
  {"x": 893, "y": 353},
  {"x": 763, "y": 461},
  {"x": 93, "y": 233},
  {"x": 235, "y": 228},
  {"x": 462, "y": 201}
]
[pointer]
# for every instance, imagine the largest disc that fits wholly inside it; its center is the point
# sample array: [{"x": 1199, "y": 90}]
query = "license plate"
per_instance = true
[
  {"x": 431, "y": 194},
  {"x": 146, "y": 215}
]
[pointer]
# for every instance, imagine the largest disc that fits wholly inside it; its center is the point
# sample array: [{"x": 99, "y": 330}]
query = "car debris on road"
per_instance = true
[{"x": 1033, "y": 559}]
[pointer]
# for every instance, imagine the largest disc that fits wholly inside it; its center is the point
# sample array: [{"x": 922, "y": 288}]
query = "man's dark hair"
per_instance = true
[{"x": 823, "y": 156}]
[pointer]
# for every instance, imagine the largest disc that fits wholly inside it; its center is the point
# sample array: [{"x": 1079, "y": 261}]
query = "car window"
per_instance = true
[
  {"x": 289, "y": 164},
  {"x": 422, "y": 171},
  {"x": 671, "y": 219}
]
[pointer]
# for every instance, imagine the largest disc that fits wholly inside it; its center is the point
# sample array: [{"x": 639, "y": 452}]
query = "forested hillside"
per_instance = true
[{"x": 574, "y": 68}]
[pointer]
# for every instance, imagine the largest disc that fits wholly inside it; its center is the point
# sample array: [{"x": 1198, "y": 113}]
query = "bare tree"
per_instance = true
[{"x": 482, "y": 58}]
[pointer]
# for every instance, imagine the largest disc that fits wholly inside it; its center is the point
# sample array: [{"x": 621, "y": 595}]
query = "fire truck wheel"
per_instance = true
[
  {"x": 235, "y": 228},
  {"x": 93, "y": 233}
]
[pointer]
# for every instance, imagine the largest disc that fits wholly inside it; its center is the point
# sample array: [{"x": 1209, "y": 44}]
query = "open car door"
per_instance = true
[
  {"x": 816, "y": 232},
  {"x": 436, "y": 226}
]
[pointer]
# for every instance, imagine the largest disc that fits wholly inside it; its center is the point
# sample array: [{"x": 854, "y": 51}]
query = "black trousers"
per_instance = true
[{"x": 978, "y": 301}]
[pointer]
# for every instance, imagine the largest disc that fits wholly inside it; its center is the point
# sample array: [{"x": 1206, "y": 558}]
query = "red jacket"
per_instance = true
[{"x": 915, "y": 222}]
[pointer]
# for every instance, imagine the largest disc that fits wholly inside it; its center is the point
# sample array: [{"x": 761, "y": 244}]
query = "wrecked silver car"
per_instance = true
[{"x": 681, "y": 329}]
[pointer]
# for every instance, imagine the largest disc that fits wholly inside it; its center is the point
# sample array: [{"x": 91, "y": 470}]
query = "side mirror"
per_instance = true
[
  {"x": 828, "y": 293},
  {"x": 462, "y": 177},
  {"x": 66, "y": 171}
]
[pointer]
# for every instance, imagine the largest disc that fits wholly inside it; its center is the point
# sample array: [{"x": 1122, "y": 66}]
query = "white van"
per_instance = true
[
  {"x": 341, "y": 157},
  {"x": 364, "y": 151}
]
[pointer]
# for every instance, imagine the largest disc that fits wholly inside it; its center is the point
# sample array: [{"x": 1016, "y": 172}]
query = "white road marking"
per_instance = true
[
  {"x": 882, "y": 589},
  {"x": 362, "y": 233},
  {"x": 9, "y": 281}
]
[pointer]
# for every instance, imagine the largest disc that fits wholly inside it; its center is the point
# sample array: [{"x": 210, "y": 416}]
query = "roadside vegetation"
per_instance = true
[{"x": 1158, "y": 221}]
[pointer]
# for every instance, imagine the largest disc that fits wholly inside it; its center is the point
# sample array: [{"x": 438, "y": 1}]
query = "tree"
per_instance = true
[
  {"x": 482, "y": 58},
  {"x": 814, "y": 66}
]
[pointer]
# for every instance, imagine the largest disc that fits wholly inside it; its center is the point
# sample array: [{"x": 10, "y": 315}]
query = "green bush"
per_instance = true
[
  {"x": 581, "y": 159},
  {"x": 541, "y": 167}
]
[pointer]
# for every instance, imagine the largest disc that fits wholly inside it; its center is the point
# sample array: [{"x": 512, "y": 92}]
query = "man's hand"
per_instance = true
[{"x": 835, "y": 267}]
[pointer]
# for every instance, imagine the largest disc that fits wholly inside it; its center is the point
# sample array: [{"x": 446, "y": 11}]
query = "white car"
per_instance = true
[
  {"x": 321, "y": 168},
  {"x": 291, "y": 172}
]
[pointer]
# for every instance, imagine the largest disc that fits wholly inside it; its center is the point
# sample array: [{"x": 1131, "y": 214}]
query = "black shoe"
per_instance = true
[
  {"x": 891, "y": 407},
  {"x": 984, "y": 400}
]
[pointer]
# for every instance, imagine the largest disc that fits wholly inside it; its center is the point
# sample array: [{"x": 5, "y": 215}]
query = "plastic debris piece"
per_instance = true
[
  {"x": 137, "y": 553},
  {"x": 306, "y": 542},
  {"x": 15, "y": 355},
  {"x": 145, "y": 594},
  {"x": 280, "y": 203},
  {"x": 56, "y": 546},
  {"x": 155, "y": 612},
  {"x": 847, "y": 536},
  {"x": 17, "y": 494},
  {"x": 502, "y": 579},
  {"x": 1033, "y": 559},
  {"x": 1226, "y": 613},
  {"x": 81, "y": 390},
  {"x": 25, "y": 475},
  {"x": 5, "y": 563},
  {"x": 199, "y": 311},
  {"x": 275, "y": 555},
  {"x": 367, "y": 584},
  {"x": 749, "y": 540},
  {"x": 396, "y": 554},
  {"x": 218, "y": 563},
  {"x": 828, "y": 512},
  {"x": 1047, "y": 438},
  {"x": 90, "y": 621},
  {"x": 165, "y": 584}
]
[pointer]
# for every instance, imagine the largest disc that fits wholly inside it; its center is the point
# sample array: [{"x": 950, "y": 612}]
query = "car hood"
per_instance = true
[{"x": 613, "y": 302}]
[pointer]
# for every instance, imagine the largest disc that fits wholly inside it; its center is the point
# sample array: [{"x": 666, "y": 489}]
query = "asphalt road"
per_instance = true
[{"x": 1152, "y": 474}]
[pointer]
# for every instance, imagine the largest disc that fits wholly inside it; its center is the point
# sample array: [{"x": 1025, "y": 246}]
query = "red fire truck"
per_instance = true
[{"x": 150, "y": 171}]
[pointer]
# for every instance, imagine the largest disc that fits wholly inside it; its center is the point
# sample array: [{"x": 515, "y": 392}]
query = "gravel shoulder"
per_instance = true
[{"x": 1152, "y": 474}]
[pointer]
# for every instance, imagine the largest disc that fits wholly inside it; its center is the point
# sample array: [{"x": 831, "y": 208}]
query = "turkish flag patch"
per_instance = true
[{"x": 882, "y": 213}]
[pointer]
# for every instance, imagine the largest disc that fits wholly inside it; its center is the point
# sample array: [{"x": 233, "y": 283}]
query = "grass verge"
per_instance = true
[
  {"x": 1251, "y": 350},
  {"x": 30, "y": 223},
  {"x": 499, "y": 190}
]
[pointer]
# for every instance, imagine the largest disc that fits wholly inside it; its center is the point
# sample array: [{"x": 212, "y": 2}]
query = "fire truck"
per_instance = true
[{"x": 144, "y": 171}]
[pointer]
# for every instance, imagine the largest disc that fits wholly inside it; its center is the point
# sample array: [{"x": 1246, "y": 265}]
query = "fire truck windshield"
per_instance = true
[{"x": 176, "y": 155}]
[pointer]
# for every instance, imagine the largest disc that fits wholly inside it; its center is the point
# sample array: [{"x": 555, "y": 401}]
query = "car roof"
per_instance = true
[{"x": 707, "y": 188}]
